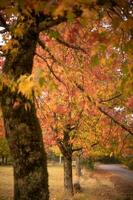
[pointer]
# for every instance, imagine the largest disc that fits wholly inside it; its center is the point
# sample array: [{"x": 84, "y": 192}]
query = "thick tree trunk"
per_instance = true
[{"x": 22, "y": 127}]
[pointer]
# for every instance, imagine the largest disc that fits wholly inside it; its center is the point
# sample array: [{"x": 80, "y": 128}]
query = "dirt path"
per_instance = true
[
  {"x": 121, "y": 179},
  {"x": 118, "y": 170}
]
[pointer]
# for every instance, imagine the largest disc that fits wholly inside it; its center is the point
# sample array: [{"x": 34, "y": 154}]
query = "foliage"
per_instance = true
[
  {"x": 88, "y": 163},
  {"x": 4, "y": 148},
  {"x": 128, "y": 161}
]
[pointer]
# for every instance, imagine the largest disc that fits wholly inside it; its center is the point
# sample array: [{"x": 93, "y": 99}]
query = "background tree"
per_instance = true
[{"x": 4, "y": 151}]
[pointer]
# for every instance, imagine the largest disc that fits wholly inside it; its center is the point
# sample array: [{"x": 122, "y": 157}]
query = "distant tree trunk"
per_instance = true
[
  {"x": 6, "y": 160},
  {"x": 22, "y": 127},
  {"x": 68, "y": 178},
  {"x": 2, "y": 160},
  {"x": 66, "y": 150},
  {"x": 60, "y": 159},
  {"x": 78, "y": 166}
]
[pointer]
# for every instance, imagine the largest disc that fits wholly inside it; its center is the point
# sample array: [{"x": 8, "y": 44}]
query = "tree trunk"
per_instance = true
[
  {"x": 68, "y": 181},
  {"x": 2, "y": 160},
  {"x": 78, "y": 166},
  {"x": 6, "y": 160},
  {"x": 66, "y": 150},
  {"x": 60, "y": 159},
  {"x": 23, "y": 131}
]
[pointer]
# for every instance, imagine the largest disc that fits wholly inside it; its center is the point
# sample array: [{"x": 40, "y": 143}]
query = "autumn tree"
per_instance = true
[
  {"x": 65, "y": 59},
  {"x": 67, "y": 87},
  {"x": 60, "y": 118}
]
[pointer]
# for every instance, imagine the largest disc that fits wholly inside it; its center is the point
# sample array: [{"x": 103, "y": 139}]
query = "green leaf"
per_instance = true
[
  {"x": 54, "y": 34},
  {"x": 83, "y": 21},
  {"x": 94, "y": 60},
  {"x": 41, "y": 81},
  {"x": 70, "y": 16},
  {"x": 125, "y": 68},
  {"x": 52, "y": 85},
  {"x": 102, "y": 48},
  {"x": 128, "y": 46}
]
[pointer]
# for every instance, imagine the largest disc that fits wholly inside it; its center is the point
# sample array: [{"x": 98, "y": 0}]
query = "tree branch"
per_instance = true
[
  {"x": 47, "y": 49},
  {"x": 110, "y": 99},
  {"x": 105, "y": 112},
  {"x": 51, "y": 69},
  {"x": 94, "y": 144},
  {"x": 70, "y": 45},
  {"x": 77, "y": 149},
  {"x": 49, "y": 22},
  {"x": 115, "y": 120},
  {"x": 62, "y": 148}
]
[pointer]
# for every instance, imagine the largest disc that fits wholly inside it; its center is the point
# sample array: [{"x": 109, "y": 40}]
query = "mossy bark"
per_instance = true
[{"x": 22, "y": 127}]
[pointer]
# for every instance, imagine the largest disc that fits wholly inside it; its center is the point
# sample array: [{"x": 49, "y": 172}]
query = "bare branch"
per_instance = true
[
  {"x": 105, "y": 112},
  {"x": 94, "y": 144},
  {"x": 110, "y": 99},
  {"x": 51, "y": 69},
  {"x": 70, "y": 45},
  {"x": 77, "y": 149},
  {"x": 115, "y": 120},
  {"x": 47, "y": 49}
]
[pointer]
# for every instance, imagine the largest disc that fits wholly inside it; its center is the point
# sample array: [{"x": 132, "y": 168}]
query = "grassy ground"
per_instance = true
[{"x": 96, "y": 185}]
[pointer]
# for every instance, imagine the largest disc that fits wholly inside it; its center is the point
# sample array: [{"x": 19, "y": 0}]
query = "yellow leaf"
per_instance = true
[
  {"x": 103, "y": 61},
  {"x": 26, "y": 86}
]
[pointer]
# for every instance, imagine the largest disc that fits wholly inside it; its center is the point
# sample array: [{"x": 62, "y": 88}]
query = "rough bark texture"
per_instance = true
[{"x": 22, "y": 127}]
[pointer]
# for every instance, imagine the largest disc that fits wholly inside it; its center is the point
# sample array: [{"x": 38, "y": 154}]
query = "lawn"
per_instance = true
[{"x": 95, "y": 185}]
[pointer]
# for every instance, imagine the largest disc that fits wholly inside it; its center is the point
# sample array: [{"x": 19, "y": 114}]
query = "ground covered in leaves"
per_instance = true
[{"x": 96, "y": 185}]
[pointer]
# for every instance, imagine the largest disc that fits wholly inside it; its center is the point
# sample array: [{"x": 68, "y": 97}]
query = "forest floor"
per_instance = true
[{"x": 96, "y": 185}]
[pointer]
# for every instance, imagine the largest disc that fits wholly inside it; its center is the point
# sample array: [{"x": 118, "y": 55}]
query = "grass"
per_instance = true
[{"x": 95, "y": 185}]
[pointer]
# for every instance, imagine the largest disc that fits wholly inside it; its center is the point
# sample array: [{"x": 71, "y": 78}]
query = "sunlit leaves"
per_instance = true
[
  {"x": 30, "y": 86},
  {"x": 26, "y": 86}
]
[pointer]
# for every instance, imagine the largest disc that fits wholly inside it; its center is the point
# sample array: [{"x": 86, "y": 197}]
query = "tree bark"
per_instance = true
[
  {"x": 66, "y": 149},
  {"x": 60, "y": 159},
  {"x": 68, "y": 178},
  {"x": 78, "y": 166},
  {"x": 23, "y": 130}
]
